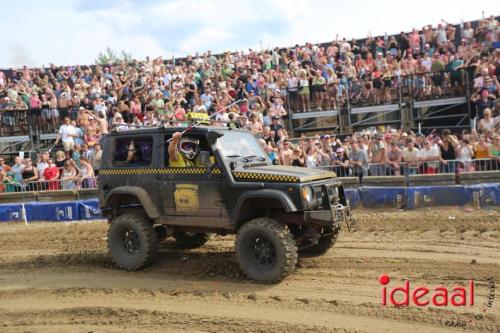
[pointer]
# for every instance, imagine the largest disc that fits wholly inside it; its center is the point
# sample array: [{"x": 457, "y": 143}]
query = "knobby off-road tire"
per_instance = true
[
  {"x": 324, "y": 243},
  {"x": 132, "y": 241},
  {"x": 266, "y": 250},
  {"x": 188, "y": 240}
]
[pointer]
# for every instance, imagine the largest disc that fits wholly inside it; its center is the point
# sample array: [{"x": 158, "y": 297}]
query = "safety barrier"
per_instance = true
[
  {"x": 75, "y": 183},
  {"x": 11, "y": 212},
  {"x": 421, "y": 168},
  {"x": 62, "y": 211},
  {"x": 428, "y": 196},
  {"x": 476, "y": 195},
  {"x": 52, "y": 211}
]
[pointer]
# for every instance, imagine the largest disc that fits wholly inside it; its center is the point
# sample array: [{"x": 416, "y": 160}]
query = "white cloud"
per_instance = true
[
  {"x": 58, "y": 32},
  {"x": 204, "y": 40},
  {"x": 74, "y": 38}
]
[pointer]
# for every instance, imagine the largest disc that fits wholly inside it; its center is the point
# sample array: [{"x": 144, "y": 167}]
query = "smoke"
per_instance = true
[{"x": 18, "y": 55}]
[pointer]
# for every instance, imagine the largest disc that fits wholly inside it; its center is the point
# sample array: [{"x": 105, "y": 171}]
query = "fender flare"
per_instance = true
[
  {"x": 140, "y": 194},
  {"x": 285, "y": 201}
]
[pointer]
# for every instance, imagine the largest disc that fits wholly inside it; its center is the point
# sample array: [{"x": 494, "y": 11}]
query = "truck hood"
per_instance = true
[{"x": 281, "y": 174}]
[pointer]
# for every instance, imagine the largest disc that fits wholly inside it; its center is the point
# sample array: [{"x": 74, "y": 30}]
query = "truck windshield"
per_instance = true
[{"x": 238, "y": 144}]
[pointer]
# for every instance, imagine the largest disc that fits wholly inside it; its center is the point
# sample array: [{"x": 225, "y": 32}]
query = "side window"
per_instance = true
[
  {"x": 203, "y": 157},
  {"x": 134, "y": 152}
]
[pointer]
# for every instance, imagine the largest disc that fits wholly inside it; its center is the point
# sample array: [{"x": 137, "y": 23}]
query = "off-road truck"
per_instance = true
[{"x": 275, "y": 211}]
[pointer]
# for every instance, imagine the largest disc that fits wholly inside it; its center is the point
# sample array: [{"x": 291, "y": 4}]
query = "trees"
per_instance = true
[{"x": 109, "y": 56}]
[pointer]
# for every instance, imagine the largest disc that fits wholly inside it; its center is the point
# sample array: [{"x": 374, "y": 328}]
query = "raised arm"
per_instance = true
[{"x": 173, "y": 153}]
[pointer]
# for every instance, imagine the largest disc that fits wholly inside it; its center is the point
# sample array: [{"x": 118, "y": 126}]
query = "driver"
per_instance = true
[{"x": 182, "y": 152}]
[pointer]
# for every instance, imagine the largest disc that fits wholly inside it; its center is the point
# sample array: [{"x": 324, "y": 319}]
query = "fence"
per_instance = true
[
  {"x": 14, "y": 122},
  {"x": 419, "y": 168},
  {"x": 49, "y": 185},
  {"x": 364, "y": 91}
]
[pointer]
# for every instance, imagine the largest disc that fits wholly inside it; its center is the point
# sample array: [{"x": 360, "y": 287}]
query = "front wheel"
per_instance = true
[
  {"x": 132, "y": 241},
  {"x": 266, "y": 250},
  {"x": 328, "y": 238}
]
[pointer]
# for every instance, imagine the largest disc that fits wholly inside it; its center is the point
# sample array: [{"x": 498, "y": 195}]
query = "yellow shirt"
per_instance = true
[{"x": 183, "y": 162}]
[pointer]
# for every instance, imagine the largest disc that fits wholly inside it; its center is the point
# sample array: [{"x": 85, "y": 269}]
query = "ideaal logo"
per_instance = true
[
  {"x": 422, "y": 296},
  {"x": 439, "y": 295}
]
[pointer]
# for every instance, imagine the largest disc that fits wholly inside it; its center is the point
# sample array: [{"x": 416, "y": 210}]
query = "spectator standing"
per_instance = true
[
  {"x": 286, "y": 154},
  {"x": 4, "y": 168},
  {"x": 277, "y": 129},
  {"x": 377, "y": 151},
  {"x": 304, "y": 91},
  {"x": 76, "y": 154},
  {"x": 68, "y": 176},
  {"x": 428, "y": 155},
  {"x": 17, "y": 172},
  {"x": 96, "y": 159},
  {"x": 495, "y": 152},
  {"x": 311, "y": 157},
  {"x": 393, "y": 159},
  {"x": 465, "y": 154},
  {"x": 298, "y": 158},
  {"x": 410, "y": 158},
  {"x": 448, "y": 155},
  {"x": 60, "y": 160},
  {"x": 102, "y": 123},
  {"x": 358, "y": 159},
  {"x": 87, "y": 176},
  {"x": 488, "y": 124},
  {"x": 30, "y": 175},
  {"x": 51, "y": 175},
  {"x": 67, "y": 134},
  {"x": 482, "y": 151},
  {"x": 41, "y": 165},
  {"x": 36, "y": 109},
  {"x": 341, "y": 163}
]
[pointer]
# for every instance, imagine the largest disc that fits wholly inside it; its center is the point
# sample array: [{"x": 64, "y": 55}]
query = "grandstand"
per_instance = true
[{"x": 442, "y": 77}]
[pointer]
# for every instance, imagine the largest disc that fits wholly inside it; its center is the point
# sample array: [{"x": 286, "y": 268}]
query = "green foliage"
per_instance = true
[{"x": 109, "y": 56}]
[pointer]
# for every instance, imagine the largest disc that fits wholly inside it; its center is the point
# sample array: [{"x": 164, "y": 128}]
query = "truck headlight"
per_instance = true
[{"x": 308, "y": 193}]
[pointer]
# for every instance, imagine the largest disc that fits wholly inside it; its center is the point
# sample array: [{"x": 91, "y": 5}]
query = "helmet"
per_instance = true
[{"x": 189, "y": 147}]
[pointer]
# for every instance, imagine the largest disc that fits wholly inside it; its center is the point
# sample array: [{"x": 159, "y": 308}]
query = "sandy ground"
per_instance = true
[{"x": 58, "y": 278}]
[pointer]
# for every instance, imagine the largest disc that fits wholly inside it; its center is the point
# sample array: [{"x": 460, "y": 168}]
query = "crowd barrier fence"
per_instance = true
[{"x": 483, "y": 196}]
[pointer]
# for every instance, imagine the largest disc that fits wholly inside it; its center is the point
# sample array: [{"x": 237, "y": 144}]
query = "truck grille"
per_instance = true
[{"x": 327, "y": 195}]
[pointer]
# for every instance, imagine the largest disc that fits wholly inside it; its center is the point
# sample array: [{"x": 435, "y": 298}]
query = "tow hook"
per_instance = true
[{"x": 344, "y": 214}]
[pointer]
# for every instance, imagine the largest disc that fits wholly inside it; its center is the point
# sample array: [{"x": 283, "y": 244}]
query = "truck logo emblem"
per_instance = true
[{"x": 186, "y": 198}]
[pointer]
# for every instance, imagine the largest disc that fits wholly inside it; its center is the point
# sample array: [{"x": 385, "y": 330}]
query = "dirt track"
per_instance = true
[{"x": 58, "y": 278}]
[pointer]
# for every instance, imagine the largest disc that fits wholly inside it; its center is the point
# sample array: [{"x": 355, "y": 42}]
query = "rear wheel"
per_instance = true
[
  {"x": 190, "y": 240},
  {"x": 132, "y": 241},
  {"x": 266, "y": 250}
]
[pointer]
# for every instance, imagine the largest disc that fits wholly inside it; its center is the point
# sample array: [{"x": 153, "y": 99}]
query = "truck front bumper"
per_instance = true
[{"x": 330, "y": 217}]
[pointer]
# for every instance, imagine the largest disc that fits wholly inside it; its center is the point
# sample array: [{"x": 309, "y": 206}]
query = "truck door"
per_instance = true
[{"x": 190, "y": 191}]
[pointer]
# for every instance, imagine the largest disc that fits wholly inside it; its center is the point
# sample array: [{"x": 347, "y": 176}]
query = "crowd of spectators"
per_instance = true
[
  {"x": 67, "y": 171},
  {"x": 82, "y": 103},
  {"x": 394, "y": 152}
]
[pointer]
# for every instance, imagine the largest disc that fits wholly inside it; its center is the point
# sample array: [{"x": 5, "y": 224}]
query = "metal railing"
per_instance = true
[
  {"x": 419, "y": 168},
  {"x": 76, "y": 183},
  {"x": 14, "y": 121}
]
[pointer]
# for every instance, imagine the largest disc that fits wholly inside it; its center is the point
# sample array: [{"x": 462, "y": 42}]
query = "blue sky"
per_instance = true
[{"x": 73, "y": 32}]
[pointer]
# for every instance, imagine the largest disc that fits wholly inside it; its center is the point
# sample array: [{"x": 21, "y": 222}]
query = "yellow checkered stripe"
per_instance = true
[
  {"x": 266, "y": 177},
  {"x": 152, "y": 171},
  {"x": 318, "y": 177},
  {"x": 200, "y": 171}
]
